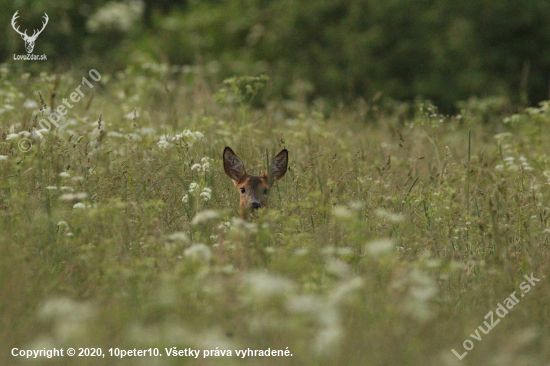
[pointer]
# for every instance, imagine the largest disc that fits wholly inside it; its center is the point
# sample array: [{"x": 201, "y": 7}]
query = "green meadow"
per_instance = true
[{"x": 397, "y": 235}]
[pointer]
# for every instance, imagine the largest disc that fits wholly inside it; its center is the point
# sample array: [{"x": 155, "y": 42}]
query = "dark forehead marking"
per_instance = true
[{"x": 255, "y": 181}]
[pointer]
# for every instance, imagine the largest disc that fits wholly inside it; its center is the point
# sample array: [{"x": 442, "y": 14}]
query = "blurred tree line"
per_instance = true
[{"x": 443, "y": 50}]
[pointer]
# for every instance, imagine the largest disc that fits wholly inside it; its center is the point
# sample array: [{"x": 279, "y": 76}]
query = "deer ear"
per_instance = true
[
  {"x": 280, "y": 164},
  {"x": 233, "y": 165}
]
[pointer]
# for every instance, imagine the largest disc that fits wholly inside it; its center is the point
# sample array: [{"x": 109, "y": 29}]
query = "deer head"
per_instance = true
[
  {"x": 29, "y": 40},
  {"x": 253, "y": 189}
]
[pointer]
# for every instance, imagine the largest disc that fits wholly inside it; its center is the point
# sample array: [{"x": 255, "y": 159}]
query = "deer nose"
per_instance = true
[{"x": 255, "y": 205}]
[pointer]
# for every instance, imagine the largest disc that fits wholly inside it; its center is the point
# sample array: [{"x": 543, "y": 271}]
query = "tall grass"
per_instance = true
[{"x": 387, "y": 242}]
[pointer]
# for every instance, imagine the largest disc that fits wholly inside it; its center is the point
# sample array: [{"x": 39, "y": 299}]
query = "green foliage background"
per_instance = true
[{"x": 340, "y": 50}]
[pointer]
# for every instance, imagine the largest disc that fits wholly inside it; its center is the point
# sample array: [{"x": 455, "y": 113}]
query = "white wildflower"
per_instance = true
[
  {"x": 185, "y": 198},
  {"x": 132, "y": 114},
  {"x": 190, "y": 136},
  {"x": 51, "y": 188},
  {"x": 65, "y": 309},
  {"x": 379, "y": 247},
  {"x": 206, "y": 194},
  {"x": 163, "y": 144},
  {"x": 342, "y": 212},
  {"x": 64, "y": 175},
  {"x": 147, "y": 131},
  {"x": 338, "y": 268},
  {"x": 79, "y": 205},
  {"x": 263, "y": 285},
  {"x": 423, "y": 287},
  {"x": 223, "y": 227},
  {"x": 114, "y": 134},
  {"x": 192, "y": 187},
  {"x": 199, "y": 252},
  {"x": 204, "y": 216},
  {"x": 502, "y": 135},
  {"x": 206, "y": 163},
  {"x": 30, "y": 104},
  {"x": 300, "y": 252},
  {"x": 113, "y": 15},
  {"x": 73, "y": 196},
  {"x": 3, "y": 157},
  {"x": 393, "y": 217},
  {"x": 178, "y": 236},
  {"x": 239, "y": 224}
]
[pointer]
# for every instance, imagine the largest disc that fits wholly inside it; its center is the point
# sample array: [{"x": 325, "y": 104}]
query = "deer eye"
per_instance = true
[
  {"x": 265, "y": 191},
  {"x": 242, "y": 190}
]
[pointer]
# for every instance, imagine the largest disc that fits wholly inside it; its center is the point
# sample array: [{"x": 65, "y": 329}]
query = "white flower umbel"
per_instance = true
[
  {"x": 378, "y": 248},
  {"x": 73, "y": 196},
  {"x": 117, "y": 16},
  {"x": 342, "y": 212},
  {"x": 267, "y": 285},
  {"x": 193, "y": 186},
  {"x": 163, "y": 144},
  {"x": 30, "y": 104},
  {"x": 204, "y": 216},
  {"x": 178, "y": 236},
  {"x": 390, "y": 216},
  {"x": 206, "y": 164},
  {"x": 188, "y": 136},
  {"x": 206, "y": 194},
  {"x": 198, "y": 252}
]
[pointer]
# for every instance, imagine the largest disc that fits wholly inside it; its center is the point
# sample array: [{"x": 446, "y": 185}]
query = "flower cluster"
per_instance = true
[
  {"x": 115, "y": 16},
  {"x": 195, "y": 188},
  {"x": 205, "y": 166},
  {"x": 510, "y": 164},
  {"x": 188, "y": 136}
]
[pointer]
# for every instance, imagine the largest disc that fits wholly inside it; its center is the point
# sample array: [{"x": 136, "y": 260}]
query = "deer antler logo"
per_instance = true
[{"x": 29, "y": 41}]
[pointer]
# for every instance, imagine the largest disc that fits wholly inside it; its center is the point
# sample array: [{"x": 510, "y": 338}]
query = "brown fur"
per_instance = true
[{"x": 253, "y": 189}]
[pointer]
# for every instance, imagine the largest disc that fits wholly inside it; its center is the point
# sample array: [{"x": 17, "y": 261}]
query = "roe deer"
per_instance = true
[{"x": 253, "y": 189}]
